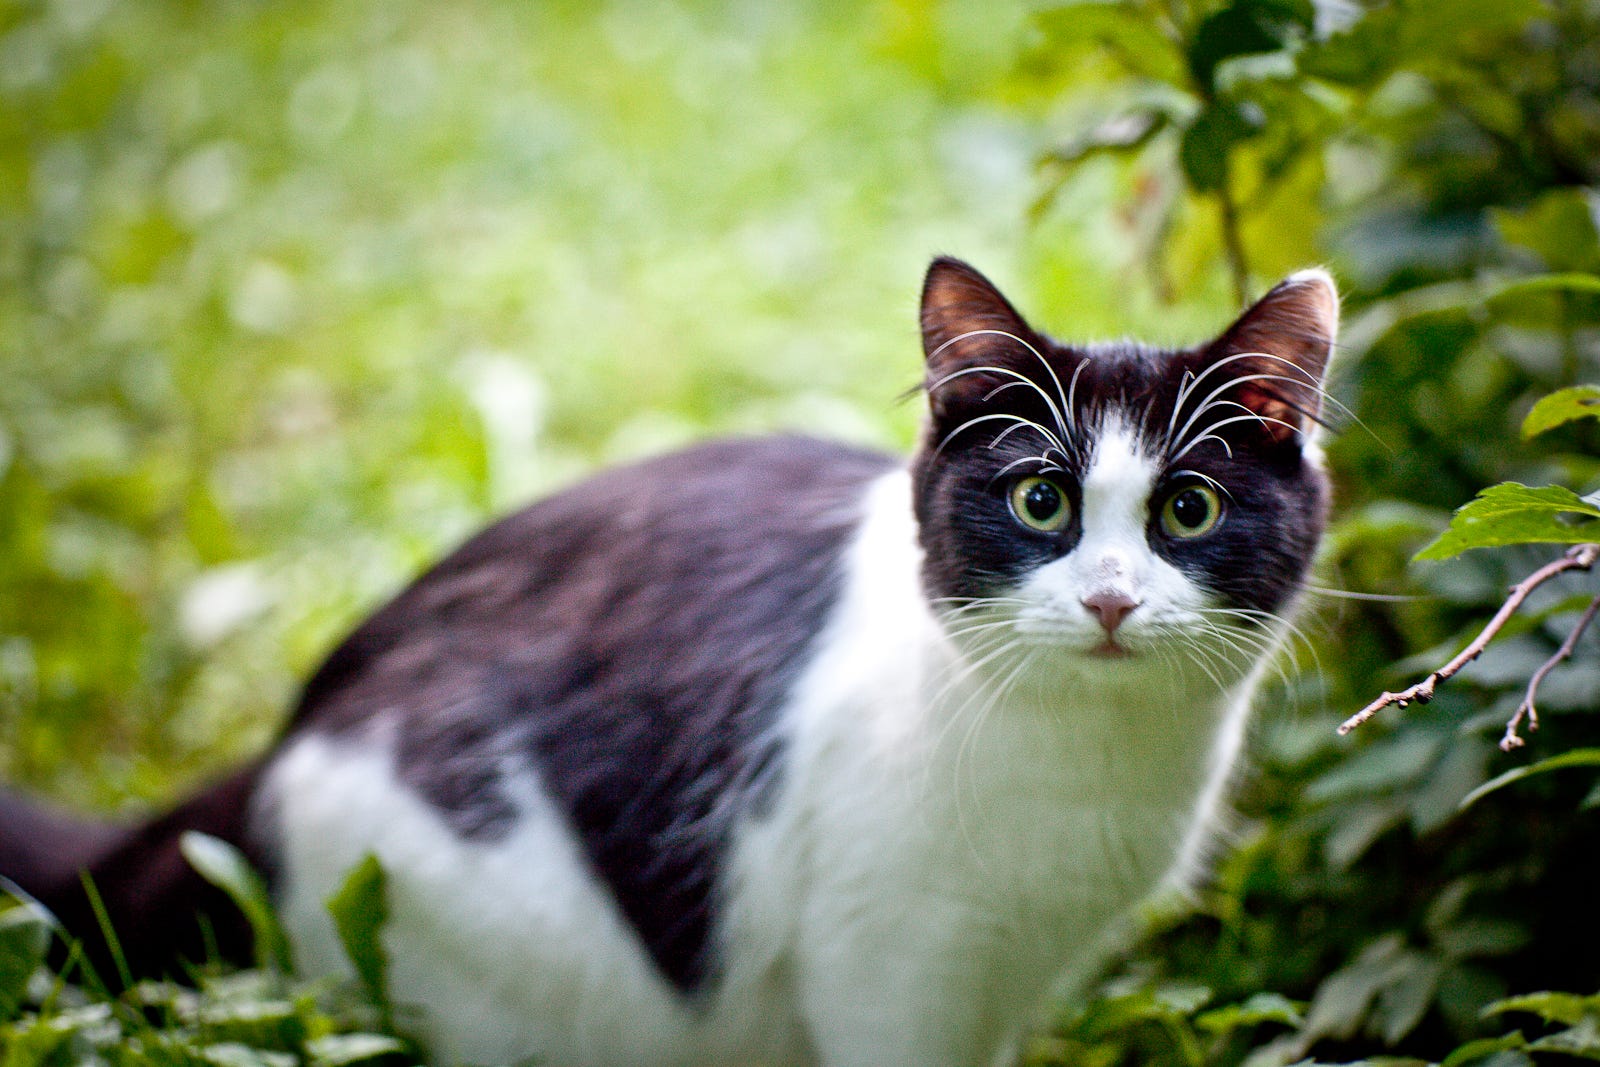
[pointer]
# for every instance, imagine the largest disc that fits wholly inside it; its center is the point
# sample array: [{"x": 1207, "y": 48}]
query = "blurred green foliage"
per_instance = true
[{"x": 293, "y": 296}]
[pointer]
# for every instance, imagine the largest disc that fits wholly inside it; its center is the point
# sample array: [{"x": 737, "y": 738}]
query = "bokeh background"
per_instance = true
[{"x": 293, "y": 296}]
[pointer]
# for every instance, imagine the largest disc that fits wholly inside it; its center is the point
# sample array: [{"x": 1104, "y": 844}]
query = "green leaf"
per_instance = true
[
  {"x": 1514, "y": 514},
  {"x": 1559, "y": 227},
  {"x": 1361, "y": 55},
  {"x": 1473, "y": 1051},
  {"x": 1566, "y": 1008},
  {"x": 226, "y": 868},
  {"x": 1183, "y": 999},
  {"x": 1203, "y": 150},
  {"x": 1344, "y": 997},
  {"x": 1244, "y": 28},
  {"x": 1480, "y": 937},
  {"x": 1260, "y": 1008},
  {"x": 339, "y": 1050},
  {"x": 1556, "y": 302},
  {"x": 1578, "y": 757},
  {"x": 1571, "y": 282},
  {"x": 360, "y": 909},
  {"x": 236, "y": 1054},
  {"x": 1562, "y": 406},
  {"x": 1403, "y": 1002},
  {"x": 1582, "y": 1040},
  {"x": 1436, "y": 31},
  {"x": 1510, "y": 1057},
  {"x": 268, "y": 1023},
  {"x": 63, "y": 1037},
  {"x": 1117, "y": 135},
  {"x": 1120, "y": 29},
  {"x": 25, "y": 932},
  {"x": 1379, "y": 768}
]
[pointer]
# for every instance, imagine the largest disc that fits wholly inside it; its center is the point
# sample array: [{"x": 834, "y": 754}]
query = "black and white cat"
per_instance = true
[{"x": 780, "y": 752}]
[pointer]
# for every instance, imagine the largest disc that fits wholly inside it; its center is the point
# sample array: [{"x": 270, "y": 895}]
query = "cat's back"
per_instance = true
[
  {"x": 729, "y": 538},
  {"x": 562, "y": 720}
]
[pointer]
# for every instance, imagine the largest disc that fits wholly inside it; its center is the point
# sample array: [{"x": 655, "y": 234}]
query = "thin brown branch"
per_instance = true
[
  {"x": 1576, "y": 558},
  {"x": 1526, "y": 710},
  {"x": 1232, "y": 242}
]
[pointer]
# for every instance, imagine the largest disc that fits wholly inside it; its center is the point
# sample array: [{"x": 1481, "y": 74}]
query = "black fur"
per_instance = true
[{"x": 632, "y": 639}]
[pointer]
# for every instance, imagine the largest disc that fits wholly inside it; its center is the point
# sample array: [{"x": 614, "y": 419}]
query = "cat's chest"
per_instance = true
[
  {"x": 1017, "y": 776},
  {"x": 999, "y": 799},
  {"x": 958, "y": 844}
]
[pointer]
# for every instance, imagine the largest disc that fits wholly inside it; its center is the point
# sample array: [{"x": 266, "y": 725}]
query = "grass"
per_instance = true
[{"x": 220, "y": 1016}]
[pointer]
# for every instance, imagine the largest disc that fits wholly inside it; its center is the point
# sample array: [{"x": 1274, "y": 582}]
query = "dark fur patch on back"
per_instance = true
[{"x": 633, "y": 638}]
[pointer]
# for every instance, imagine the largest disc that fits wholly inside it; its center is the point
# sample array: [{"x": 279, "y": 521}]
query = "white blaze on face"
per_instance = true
[{"x": 1113, "y": 558}]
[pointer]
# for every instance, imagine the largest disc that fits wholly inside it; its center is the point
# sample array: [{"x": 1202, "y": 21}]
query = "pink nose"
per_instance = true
[{"x": 1110, "y": 608}]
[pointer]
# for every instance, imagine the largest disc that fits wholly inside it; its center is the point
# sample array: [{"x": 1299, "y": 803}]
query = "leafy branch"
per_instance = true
[
  {"x": 1513, "y": 514},
  {"x": 1194, "y": 97},
  {"x": 1580, "y": 557}
]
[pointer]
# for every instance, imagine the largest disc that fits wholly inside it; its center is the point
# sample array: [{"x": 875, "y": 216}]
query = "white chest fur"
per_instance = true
[
  {"x": 943, "y": 842},
  {"x": 958, "y": 837}
]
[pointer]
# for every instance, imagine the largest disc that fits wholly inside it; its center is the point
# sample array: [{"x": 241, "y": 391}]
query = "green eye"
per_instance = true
[
  {"x": 1191, "y": 512},
  {"x": 1039, "y": 504}
]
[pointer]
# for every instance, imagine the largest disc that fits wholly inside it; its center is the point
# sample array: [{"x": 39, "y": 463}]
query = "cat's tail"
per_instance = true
[{"x": 161, "y": 913}]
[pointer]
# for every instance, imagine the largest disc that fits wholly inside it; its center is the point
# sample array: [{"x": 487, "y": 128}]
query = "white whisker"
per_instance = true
[
  {"x": 1072, "y": 392},
  {"x": 1211, "y": 400},
  {"x": 1021, "y": 378},
  {"x": 1046, "y": 434},
  {"x": 1379, "y": 598},
  {"x": 1211, "y": 430},
  {"x": 1045, "y": 466}
]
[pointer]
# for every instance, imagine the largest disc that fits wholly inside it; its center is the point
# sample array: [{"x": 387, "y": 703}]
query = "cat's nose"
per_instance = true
[{"x": 1110, "y": 606}]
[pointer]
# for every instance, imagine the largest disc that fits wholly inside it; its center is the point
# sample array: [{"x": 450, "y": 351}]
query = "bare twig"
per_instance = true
[
  {"x": 1576, "y": 558},
  {"x": 1526, "y": 710},
  {"x": 1233, "y": 243}
]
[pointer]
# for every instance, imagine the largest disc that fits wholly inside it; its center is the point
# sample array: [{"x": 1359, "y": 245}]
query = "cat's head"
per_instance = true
[{"x": 1117, "y": 500}]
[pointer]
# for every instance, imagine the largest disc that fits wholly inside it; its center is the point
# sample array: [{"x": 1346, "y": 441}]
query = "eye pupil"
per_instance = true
[
  {"x": 1192, "y": 511},
  {"x": 1039, "y": 504},
  {"x": 1190, "y": 508},
  {"x": 1042, "y": 501}
]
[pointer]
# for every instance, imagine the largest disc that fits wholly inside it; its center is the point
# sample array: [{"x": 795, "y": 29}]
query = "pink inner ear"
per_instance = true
[
  {"x": 967, "y": 324},
  {"x": 1293, "y": 328},
  {"x": 1284, "y": 408}
]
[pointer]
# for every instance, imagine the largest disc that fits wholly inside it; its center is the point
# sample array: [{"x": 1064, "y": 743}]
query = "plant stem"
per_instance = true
[
  {"x": 1569, "y": 338},
  {"x": 1579, "y": 557},
  {"x": 1231, "y": 241},
  {"x": 1526, "y": 710}
]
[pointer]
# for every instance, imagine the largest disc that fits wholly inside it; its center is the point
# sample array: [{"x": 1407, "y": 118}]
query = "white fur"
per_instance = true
[
  {"x": 1112, "y": 556},
  {"x": 957, "y": 823}
]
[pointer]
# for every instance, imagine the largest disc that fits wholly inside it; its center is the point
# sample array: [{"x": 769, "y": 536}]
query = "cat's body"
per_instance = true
[{"x": 780, "y": 752}]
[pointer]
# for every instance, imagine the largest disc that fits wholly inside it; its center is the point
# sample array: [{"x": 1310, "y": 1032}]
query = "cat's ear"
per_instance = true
[
  {"x": 967, "y": 326},
  {"x": 1277, "y": 353}
]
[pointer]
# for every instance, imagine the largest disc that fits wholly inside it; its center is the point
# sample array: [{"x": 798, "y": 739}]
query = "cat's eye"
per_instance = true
[
  {"x": 1039, "y": 504},
  {"x": 1191, "y": 512}
]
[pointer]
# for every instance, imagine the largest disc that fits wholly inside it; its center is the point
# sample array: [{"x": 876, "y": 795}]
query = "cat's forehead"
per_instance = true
[
  {"x": 1118, "y": 457},
  {"x": 1121, "y": 391},
  {"x": 1116, "y": 379}
]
